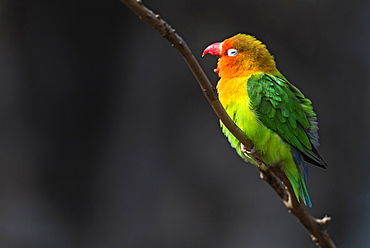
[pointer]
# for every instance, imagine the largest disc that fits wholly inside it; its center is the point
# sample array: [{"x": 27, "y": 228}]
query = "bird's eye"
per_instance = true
[{"x": 232, "y": 52}]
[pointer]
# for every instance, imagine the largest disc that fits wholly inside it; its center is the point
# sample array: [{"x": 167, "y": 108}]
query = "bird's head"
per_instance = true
[{"x": 241, "y": 55}]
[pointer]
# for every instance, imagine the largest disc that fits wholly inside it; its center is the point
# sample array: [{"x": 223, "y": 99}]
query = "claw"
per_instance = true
[
  {"x": 249, "y": 154},
  {"x": 246, "y": 152}
]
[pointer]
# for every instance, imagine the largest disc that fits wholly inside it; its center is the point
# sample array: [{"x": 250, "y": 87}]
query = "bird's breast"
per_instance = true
[
  {"x": 233, "y": 90},
  {"x": 233, "y": 95}
]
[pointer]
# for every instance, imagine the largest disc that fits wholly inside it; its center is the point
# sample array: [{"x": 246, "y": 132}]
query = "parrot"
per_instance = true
[{"x": 272, "y": 113}]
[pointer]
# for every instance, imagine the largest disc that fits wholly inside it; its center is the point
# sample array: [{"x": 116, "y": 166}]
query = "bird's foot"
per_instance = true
[
  {"x": 249, "y": 154},
  {"x": 246, "y": 152}
]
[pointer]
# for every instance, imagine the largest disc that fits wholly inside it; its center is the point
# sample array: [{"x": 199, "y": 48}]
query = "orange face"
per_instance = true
[{"x": 241, "y": 55}]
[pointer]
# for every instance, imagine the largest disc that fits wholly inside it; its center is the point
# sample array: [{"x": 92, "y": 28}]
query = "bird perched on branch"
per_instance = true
[{"x": 271, "y": 112}]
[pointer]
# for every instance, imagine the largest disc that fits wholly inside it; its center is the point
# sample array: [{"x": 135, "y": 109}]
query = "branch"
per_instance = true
[
  {"x": 315, "y": 227},
  {"x": 177, "y": 42},
  {"x": 272, "y": 175}
]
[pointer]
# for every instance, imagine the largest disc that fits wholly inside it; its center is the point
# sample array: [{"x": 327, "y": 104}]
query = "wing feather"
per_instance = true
[{"x": 281, "y": 107}]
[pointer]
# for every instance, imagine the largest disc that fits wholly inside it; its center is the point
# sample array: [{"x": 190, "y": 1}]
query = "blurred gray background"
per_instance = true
[{"x": 106, "y": 139}]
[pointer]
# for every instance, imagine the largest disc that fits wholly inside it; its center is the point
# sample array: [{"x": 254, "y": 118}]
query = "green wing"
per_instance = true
[{"x": 281, "y": 107}]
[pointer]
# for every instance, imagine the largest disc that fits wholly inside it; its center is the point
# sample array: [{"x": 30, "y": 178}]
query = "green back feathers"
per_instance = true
[{"x": 281, "y": 107}]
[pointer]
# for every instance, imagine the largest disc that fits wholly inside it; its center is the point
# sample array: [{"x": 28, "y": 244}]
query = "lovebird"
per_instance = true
[{"x": 272, "y": 112}]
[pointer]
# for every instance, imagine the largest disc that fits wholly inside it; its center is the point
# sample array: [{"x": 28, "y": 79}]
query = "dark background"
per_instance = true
[{"x": 106, "y": 139}]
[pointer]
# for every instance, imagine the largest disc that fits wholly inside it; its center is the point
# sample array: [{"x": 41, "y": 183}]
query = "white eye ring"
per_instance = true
[{"x": 232, "y": 52}]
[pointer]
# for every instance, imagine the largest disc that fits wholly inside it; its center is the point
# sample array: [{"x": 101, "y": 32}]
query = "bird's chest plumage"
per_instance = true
[{"x": 233, "y": 95}]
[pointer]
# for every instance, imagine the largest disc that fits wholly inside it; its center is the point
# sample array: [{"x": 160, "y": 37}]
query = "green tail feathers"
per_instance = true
[
  {"x": 297, "y": 175},
  {"x": 300, "y": 190}
]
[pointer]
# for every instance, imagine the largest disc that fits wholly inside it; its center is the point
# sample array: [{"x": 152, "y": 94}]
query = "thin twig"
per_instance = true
[
  {"x": 177, "y": 42},
  {"x": 315, "y": 227},
  {"x": 273, "y": 175}
]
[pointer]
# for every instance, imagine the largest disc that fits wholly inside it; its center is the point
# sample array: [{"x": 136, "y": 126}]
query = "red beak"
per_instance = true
[{"x": 214, "y": 49}]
